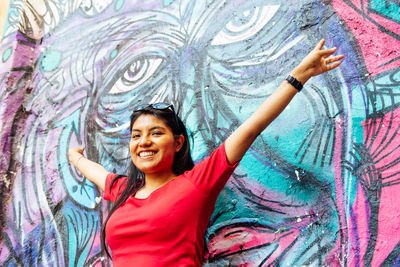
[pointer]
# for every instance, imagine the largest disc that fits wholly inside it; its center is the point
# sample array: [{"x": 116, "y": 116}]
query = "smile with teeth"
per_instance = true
[{"x": 145, "y": 154}]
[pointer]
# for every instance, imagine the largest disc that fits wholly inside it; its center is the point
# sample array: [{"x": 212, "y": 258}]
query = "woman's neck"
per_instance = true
[{"x": 156, "y": 180}]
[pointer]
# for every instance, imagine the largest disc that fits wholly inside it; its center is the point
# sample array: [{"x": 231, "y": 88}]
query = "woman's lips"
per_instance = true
[{"x": 146, "y": 154}]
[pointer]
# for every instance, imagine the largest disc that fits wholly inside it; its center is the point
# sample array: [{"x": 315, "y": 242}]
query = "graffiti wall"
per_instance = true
[{"x": 319, "y": 187}]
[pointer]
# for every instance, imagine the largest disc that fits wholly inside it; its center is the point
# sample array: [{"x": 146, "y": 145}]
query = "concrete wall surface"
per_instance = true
[{"x": 319, "y": 187}]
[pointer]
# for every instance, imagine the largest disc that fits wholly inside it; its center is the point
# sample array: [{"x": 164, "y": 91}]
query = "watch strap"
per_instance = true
[{"x": 293, "y": 81}]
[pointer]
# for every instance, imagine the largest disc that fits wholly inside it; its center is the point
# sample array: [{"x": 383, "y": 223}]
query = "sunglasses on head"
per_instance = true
[{"x": 160, "y": 106}]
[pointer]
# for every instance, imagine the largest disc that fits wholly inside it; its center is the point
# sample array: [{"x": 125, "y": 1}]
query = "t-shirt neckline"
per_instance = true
[{"x": 156, "y": 190}]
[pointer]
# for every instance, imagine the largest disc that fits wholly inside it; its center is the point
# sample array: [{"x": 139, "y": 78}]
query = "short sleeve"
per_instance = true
[
  {"x": 112, "y": 193},
  {"x": 211, "y": 174}
]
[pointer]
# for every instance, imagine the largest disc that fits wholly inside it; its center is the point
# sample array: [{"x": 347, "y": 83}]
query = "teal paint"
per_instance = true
[
  {"x": 7, "y": 54},
  {"x": 79, "y": 242},
  {"x": 114, "y": 53},
  {"x": 51, "y": 60},
  {"x": 271, "y": 177},
  {"x": 119, "y": 4},
  {"x": 386, "y": 8},
  {"x": 168, "y": 2},
  {"x": 358, "y": 114}
]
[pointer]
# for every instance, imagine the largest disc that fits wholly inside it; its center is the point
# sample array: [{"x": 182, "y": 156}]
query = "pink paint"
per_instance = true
[
  {"x": 388, "y": 227},
  {"x": 4, "y": 252},
  {"x": 377, "y": 47},
  {"x": 382, "y": 142},
  {"x": 384, "y": 152},
  {"x": 232, "y": 239},
  {"x": 235, "y": 237},
  {"x": 358, "y": 230}
]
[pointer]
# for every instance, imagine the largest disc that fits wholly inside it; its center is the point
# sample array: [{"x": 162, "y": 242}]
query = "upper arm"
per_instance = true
[
  {"x": 238, "y": 143},
  {"x": 98, "y": 177},
  {"x": 241, "y": 139},
  {"x": 93, "y": 171}
]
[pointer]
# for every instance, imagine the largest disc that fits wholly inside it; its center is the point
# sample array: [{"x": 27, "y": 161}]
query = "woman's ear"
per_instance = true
[{"x": 179, "y": 143}]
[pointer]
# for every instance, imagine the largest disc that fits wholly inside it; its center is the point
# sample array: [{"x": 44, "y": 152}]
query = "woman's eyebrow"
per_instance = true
[
  {"x": 156, "y": 128},
  {"x": 151, "y": 129}
]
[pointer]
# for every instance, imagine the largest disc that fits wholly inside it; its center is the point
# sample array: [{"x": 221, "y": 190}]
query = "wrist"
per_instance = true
[
  {"x": 77, "y": 161},
  {"x": 300, "y": 75},
  {"x": 294, "y": 82}
]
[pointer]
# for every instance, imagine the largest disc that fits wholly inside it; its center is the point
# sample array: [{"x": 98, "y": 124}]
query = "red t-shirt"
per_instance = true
[{"x": 168, "y": 227}]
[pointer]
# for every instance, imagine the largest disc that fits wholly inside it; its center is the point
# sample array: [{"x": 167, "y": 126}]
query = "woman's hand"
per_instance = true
[
  {"x": 316, "y": 62},
  {"x": 75, "y": 154}
]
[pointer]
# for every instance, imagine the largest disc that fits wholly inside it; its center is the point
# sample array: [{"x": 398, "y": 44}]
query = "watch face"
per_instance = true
[{"x": 293, "y": 81}]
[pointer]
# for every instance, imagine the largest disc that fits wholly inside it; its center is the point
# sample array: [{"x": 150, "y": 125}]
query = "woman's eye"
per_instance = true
[
  {"x": 135, "y": 136},
  {"x": 157, "y": 133}
]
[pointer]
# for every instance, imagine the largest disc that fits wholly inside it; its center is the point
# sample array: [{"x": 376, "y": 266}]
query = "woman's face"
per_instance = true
[{"x": 153, "y": 145}]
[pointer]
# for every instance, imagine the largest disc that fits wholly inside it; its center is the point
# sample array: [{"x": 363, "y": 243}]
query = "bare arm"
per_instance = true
[
  {"x": 315, "y": 63},
  {"x": 91, "y": 170}
]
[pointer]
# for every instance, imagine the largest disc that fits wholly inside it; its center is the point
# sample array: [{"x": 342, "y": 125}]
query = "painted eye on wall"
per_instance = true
[
  {"x": 245, "y": 24},
  {"x": 91, "y": 7},
  {"x": 136, "y": 74}
]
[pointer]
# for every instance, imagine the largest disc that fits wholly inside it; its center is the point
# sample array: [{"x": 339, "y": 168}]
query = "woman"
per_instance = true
[{"x": 162, "y": 209}]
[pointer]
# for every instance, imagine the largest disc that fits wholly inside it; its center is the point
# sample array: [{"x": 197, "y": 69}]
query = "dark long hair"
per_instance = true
[{"x": 182, "y": 161}]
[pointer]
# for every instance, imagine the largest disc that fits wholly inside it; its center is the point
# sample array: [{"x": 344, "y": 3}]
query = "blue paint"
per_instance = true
[
  {"x": 7, "y": 54},
  {"x": 29, "y": 250},
  {"x": 50, "y": 60},
  {"x": 119, "y": 4}
]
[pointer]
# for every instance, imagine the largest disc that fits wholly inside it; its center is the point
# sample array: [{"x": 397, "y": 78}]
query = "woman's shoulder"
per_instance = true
[
  {"x": 114, "y": 184},
  {"x": 213, "y": 171}
]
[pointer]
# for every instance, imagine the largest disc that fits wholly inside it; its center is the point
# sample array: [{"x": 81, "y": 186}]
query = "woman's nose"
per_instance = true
[{"x": 145, "y": 141}]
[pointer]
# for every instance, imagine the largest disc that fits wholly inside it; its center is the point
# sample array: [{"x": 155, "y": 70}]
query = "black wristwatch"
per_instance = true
[{"x": 293, "y": 81}]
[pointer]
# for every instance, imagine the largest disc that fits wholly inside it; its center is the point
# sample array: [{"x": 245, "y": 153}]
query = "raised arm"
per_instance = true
[
  {"x": 91, "y": 170},
  {"x": 315, "y": 63}
]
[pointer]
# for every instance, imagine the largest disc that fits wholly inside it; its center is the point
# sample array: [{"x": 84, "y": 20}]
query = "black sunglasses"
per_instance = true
[{"x": 160, "y": 106}]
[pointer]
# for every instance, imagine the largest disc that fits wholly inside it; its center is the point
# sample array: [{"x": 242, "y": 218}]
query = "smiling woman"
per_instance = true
[
  {"x": 163, "y": 206},
  {"x": 153, "y": 147}
]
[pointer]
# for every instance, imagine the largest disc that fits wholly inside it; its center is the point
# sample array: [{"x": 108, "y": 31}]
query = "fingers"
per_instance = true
[
  {"x": 327, "y": 52},
  {"x": 78, "y": 149},
  {"x": 320, "y": 44},
  {"x": 333, "y": 62},
  {"x": 333, "y": 59},
  {"x": 334, "y": 65},
  {"x": 75, "y": 153},
  {"x": 324, "y": 52}
]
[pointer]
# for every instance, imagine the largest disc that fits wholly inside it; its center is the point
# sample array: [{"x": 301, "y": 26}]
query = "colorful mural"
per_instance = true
[{"x": 319, "y": 187}]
